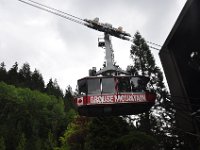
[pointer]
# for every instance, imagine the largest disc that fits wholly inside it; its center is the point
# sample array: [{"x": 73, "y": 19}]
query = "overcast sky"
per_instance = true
[{"x": 65, "y": 50}]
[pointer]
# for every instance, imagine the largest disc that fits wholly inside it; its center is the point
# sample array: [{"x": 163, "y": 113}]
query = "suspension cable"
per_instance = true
[
  {"x": 152, "y": 43},
  {"x": 51, "y": 11},
  {"x": 154, "y": 48},
  {"x": 55, "y": 9}
]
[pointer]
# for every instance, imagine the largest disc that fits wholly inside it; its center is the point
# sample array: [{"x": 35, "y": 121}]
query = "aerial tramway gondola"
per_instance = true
[
  {"x": 110, "y": 91},
  {"x": 113, "y": 95}
]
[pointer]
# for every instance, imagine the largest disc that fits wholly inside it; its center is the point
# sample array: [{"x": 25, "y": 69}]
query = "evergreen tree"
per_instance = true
[
  {"x": 37, "y": 82},
  {"x": 49, "y": 88},
  {"x": 68, "y": 99},
  {"x": 53, "y": 88},
  {"x": 57, "y": 90},
  {"x": 159, "y": 120},
  {"x": 3, "y": 72},
  {"x": 13, "y": 76},
  {"x": 25, "y": 76}
]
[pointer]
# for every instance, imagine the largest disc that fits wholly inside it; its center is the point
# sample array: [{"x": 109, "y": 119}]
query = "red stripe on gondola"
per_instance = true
[{"x": 116, "y": 99}]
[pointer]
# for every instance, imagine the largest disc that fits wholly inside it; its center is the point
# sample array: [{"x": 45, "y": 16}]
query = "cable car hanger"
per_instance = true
[{"x": 111, "y": 90}]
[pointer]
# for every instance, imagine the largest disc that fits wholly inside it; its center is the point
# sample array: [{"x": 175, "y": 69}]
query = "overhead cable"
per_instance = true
[
  {"x": 153, "y": 43},
  {"x": 51, "y": 11},
  {"x": 154, "y": 48},
  {"x": 55, "y": 9}
]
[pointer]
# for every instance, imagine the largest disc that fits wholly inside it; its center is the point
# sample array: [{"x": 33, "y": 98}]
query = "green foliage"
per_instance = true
[
  {"x": 68, "y": 99},
  {"x": 3, "y": 73},
  {"x": 25, "y": 78},
  {"x": 21, "y": 143},
  {"x": 53, "y": 88},
  {"x": 2, "y": 144},
  {"x": 135, "y": 140},
  {"x": 37, "y": 82},
  {"x": 103, "y": 131},
  {"x": 41, "y": 118},
  {"x": 13, "y": 76},
  {"x": 32, "y": 113},
  {"x": 75, "y": 135},
  {"x": 71, "y": 114}
]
